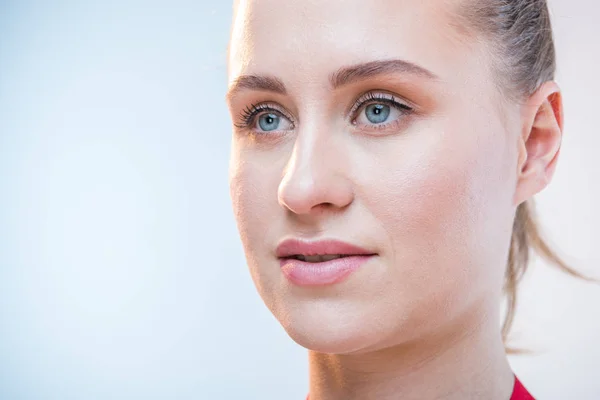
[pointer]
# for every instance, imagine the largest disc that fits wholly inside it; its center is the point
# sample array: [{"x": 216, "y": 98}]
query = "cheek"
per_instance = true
[
  {"x": 250, "y": 195},
  {"x": 253, "y": 190},
  {"x": 428, "y": 188},
  {"x": 246, "y": 202},
  {"x": 443, "y": 202},
  {"x": 426, "y": 214}
]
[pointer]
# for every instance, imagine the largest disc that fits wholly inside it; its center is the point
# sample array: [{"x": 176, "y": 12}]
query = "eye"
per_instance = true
[
  {"x": 377, "y": 113},
  {"x": 273, "y": 122},
  {"x": 264, "y": 118},
  {"x": 379, "y": 110}
]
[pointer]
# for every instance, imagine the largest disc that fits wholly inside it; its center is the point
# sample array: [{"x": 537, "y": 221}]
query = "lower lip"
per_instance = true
[{"x": 305, "y": 273}]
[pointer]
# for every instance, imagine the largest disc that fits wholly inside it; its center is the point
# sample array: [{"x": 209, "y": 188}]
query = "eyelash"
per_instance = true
[
  {"x": 378, "y": 98},
  {"x": 248, "y": 116}
]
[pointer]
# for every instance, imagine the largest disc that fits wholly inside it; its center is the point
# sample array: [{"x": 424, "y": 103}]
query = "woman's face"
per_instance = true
[{"x": 379, "y": 125}]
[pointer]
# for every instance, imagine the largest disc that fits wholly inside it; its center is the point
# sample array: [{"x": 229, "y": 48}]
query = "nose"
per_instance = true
[{"x": 316, "y": 176}]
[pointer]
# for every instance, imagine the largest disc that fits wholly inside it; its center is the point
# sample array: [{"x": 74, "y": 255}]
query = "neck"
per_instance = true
[{"x": 466, "y": 361}]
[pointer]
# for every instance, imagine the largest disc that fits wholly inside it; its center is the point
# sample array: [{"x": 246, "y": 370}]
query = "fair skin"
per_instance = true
[{"x": 418, "y": 159}]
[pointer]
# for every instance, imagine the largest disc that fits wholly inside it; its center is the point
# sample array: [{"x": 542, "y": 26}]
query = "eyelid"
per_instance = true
[
  {"x": 371, "y": 96},
  {"x": 366, "y": 97},
  {"x": 250, "y": 113}
]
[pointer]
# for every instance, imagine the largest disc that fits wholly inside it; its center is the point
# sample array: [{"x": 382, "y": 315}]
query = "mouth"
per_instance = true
[
  {"x": 320, "y": 263},
  {"x": 319, "y": 251},
  {"x": 317, "y": 258}
]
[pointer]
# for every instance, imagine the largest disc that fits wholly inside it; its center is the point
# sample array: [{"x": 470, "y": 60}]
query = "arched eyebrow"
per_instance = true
[
  {"x": 257, "y": 83},
  {"x": 353, "y": 73},
  {"x": 343, "y": 76}
]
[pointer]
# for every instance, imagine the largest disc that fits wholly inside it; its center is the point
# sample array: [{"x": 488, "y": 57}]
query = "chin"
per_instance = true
[
  {"x": 331, "y": 333},
  {"x": 319, "y": 341}
]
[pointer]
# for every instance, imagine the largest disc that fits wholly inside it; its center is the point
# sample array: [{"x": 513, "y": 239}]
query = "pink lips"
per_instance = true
[{"x": 306, "y": 273}]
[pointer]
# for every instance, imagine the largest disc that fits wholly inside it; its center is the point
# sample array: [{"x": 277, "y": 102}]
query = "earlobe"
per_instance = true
[{"x": 539, "y": 144}]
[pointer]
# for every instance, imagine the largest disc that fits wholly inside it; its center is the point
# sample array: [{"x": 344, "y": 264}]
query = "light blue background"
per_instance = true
[
  {"x": 121, "y": 276},
  {"x": 121, "y": 273}
]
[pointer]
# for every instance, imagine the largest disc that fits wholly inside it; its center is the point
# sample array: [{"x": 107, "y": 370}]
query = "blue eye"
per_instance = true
[
  {"x": 264, "y": 118},
  {"x": 272, "y": 121},
  {"x": 377, "y": 113},
  {"x": 269, "y": 122}
]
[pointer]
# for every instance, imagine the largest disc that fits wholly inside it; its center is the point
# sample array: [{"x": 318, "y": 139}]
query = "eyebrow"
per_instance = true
[
  {"x": 353, "y": 73},
  {"x": 343, "y": 76},
  {"x": 255, "y": 82}
]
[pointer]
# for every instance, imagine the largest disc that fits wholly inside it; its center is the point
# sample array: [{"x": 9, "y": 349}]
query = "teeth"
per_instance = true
[{"x": 319, "y": 258}]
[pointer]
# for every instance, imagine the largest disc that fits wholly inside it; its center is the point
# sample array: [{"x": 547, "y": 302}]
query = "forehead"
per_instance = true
[{"x": 310, "y": 37}]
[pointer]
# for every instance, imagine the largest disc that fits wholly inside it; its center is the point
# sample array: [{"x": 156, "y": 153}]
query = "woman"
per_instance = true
[{"x": 384, "y": 159}]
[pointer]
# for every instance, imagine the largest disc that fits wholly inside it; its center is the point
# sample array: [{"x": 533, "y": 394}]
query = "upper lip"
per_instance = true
[{"x": 294, "y": 247}]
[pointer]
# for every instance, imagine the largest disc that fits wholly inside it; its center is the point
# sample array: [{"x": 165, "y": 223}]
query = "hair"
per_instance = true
[{"x": 524, "y": 57}]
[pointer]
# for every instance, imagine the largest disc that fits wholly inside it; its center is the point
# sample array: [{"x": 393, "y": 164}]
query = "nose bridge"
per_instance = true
[{"x": 314, "y": 174}]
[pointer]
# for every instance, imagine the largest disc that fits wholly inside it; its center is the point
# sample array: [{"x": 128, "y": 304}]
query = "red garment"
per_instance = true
[{"x": 519, "y": 392}]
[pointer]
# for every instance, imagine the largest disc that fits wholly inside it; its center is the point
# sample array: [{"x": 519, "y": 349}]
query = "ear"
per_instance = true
[{"x": 540, "y": 140}]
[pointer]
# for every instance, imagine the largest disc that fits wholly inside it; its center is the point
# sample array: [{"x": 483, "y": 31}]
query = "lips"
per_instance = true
[
  {"x": 318, "y": 258},
  {"x": 321, "y": 263},
  {"x": 319, "y": 251}
]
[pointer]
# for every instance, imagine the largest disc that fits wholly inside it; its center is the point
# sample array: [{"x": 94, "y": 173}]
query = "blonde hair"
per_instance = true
[
  {"x": 526, "y": 238},
  {"x": 520, "y": 32}
]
